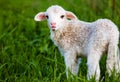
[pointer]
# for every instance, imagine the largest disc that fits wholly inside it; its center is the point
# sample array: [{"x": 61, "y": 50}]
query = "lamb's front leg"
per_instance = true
[{"x": 72, "y": 63}]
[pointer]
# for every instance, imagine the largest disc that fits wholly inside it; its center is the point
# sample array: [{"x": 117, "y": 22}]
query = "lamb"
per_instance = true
[{"x": 76, "y": 39}]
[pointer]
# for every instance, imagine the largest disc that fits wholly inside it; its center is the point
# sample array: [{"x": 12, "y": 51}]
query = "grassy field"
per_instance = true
[{"x": 26, "y": 52}]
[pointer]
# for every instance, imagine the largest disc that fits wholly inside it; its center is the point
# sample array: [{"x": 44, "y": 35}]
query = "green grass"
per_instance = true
[{"x": 26, "y": 52}]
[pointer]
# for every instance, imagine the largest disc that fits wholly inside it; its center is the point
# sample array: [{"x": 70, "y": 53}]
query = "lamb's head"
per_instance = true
[{"x": 56, "y": 17}]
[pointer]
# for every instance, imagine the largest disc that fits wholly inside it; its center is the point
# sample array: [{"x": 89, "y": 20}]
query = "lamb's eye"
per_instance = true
[
  {"x": 47, "y": 16},
  {"x": 62, "y": 16}
]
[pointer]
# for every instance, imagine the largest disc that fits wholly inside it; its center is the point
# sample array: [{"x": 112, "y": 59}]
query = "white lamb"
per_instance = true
[{"x": 76, "y": 39}]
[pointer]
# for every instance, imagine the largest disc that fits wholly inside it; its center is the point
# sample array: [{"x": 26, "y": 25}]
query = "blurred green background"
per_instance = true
[{"x": 26, "y": 52}]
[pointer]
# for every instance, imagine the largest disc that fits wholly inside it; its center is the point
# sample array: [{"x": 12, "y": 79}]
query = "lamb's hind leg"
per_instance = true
[
  {"x": 93, "y": 65},
  {"x": 113, "y": 61},
  {"x": 72, "y": 63}
]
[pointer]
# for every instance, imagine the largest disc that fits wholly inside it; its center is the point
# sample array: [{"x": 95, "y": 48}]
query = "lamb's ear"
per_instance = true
[
  {"x": 70, "y": 15},
  {"x": 40, "y": 16}
]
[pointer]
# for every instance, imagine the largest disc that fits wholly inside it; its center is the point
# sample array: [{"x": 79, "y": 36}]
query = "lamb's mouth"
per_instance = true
[{"x": 53, "y": 28}]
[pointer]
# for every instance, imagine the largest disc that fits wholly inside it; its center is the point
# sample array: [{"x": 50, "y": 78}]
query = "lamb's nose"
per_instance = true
[{"x": 53, "y": 23}]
